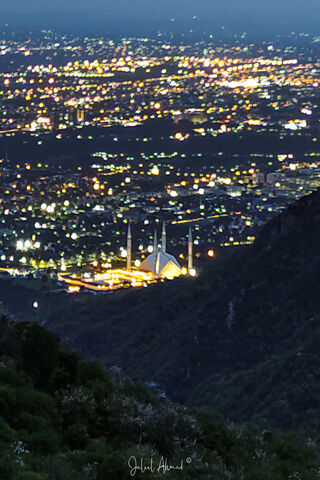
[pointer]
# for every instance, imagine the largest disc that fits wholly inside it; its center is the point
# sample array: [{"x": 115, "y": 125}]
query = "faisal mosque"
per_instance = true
[
  {"x": 158, "y": 265},
  {"x": 161, "y": 263}
]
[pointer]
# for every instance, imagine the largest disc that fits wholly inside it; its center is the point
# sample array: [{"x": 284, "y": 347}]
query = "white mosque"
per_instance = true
[
  {"x": 161, "y": 263},
  {"x": 158, "y": 265}
]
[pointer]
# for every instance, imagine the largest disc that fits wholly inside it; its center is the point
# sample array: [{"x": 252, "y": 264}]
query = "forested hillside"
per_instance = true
[{"x": 66, "y": 418}]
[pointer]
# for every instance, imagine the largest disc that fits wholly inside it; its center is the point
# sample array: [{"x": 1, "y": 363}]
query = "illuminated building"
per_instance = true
[
  {"x": 159, "y": 262},
  {"x": 158, "y": 265}
]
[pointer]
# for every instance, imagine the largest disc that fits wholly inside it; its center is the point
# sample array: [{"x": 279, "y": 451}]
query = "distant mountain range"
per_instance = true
[{"x": 242, "y": 338}]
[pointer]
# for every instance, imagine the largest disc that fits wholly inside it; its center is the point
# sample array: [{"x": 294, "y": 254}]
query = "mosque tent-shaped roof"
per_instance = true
[{"x": 162, "y": 264}]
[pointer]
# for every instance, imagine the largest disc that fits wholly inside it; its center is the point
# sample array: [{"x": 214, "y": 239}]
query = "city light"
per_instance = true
[{"x": 173, "y": 117}]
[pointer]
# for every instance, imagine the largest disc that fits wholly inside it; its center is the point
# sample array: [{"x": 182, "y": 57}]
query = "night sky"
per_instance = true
[{"x": 143, "y": 15}]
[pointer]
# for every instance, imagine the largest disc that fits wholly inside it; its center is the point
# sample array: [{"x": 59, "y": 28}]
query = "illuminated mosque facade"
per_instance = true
[{"x": 160, "y": 263}]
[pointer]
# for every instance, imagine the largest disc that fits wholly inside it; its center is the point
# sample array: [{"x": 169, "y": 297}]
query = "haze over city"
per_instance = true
[{"x": 178, "y": 16}]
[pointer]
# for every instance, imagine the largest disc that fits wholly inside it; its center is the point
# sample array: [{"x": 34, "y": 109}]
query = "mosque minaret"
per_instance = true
[
  {"x": 190, "y": 251},
  {"x": 129, "y": 248}
]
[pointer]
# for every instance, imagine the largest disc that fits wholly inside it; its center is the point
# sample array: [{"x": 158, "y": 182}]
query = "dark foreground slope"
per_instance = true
[
  {"x": 242, "y": 338},
  {"x": 64, "y": 418}
]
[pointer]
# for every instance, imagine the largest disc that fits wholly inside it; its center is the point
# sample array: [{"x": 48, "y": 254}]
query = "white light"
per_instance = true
[
  {"x": 74, "y": 236},
  {"x": 123, "y": 253},
  {"x": 27, "y": 244},
  {"x": 3, "y": 257},
  {"x": 35, "y": 304},
  {"x": 137, "y": 263},
  {"x": 150, "y": 249},
  {"x": 291, "y": 126},
  {"x": 63, "y": 267},
  {"x": 173, "y": 193},
  {"x": 201, "y": 191},
  {"x": 19, "y": 245},
  {"x": 43, "y": 206},
  {"x": 193, "y": 272}
]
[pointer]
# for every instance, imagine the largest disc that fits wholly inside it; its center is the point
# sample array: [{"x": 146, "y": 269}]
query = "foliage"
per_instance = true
[{"x": 86, "y": 423}]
